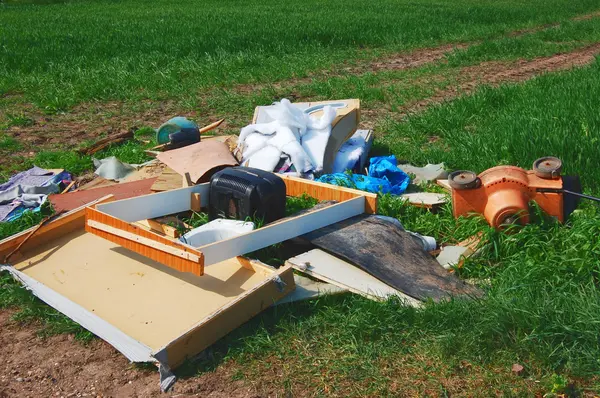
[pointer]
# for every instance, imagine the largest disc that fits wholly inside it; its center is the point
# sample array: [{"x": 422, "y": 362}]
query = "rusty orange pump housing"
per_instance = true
[{"x": 502, "y": 194}]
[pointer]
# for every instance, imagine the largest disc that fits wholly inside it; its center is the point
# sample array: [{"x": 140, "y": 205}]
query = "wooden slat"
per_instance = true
[
  {"x": 321, "y": 191},
  {"x": 195, "y": 264},
  {"x": 144, "y": 241},
  {"x": 161, "y": 225}
]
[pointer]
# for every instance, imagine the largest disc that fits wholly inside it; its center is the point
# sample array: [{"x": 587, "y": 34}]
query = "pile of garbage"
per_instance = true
[{"x": 116, "y": 260}]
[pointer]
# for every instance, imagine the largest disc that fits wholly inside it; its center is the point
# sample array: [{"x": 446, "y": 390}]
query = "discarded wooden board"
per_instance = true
[
  {"x": 444, "y": 184},
  {"x": 115, "y": 222},
  {"x": 200, "y": 160},
  {"x": 73, "y": 200},
  {"x": 169, "y": 179},
  {"x": 425, "y": 199},
  {"x": 331, "y": 269},
  {"x": 390, "y": 254},
  {"x": 307, "y": 289},
  {"x": 168, "y": 226},
  {"x": 145, "y": 310}
]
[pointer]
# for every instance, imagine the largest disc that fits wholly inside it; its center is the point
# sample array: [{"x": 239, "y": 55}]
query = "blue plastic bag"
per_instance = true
[{"x": 384, "y": 176}]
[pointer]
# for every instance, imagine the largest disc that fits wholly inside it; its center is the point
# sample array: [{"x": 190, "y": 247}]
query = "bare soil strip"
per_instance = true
[
  {"x": 88, "y": 121},
  {"x": 58, "y": 366},
  {"x": 496, "y": 73}
]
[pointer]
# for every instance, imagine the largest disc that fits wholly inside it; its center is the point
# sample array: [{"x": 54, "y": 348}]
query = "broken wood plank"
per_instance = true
[
  {"x": 68, "y": 187},
  {"x": 169, "y": 179},
  {"x": 103, "y": 143},
  {"x": 444, "y": 184},
  {"x": 168, "y": 226}
]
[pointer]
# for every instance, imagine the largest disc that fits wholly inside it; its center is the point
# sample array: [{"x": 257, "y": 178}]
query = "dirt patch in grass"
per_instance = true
[{"x": 59, "y": 366}]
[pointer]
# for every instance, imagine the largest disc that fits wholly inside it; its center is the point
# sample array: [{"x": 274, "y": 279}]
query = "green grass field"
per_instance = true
[{"x": 72, "y": 61}]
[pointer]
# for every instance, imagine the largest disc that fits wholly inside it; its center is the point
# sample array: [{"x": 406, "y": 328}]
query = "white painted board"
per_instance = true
[
  {"x": 156, "y": 204},
  {"x": 328, "y": 268},
  {"x": 278, "y": 232}
]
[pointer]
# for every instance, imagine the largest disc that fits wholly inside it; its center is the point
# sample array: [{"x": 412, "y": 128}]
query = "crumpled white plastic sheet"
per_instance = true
[{"x": 292, "y": 132}]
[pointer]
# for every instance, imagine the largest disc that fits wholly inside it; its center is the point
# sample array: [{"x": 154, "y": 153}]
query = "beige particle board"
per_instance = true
[{"x": 146, "y": 300}]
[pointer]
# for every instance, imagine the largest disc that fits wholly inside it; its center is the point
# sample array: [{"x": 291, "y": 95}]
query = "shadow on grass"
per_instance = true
[{"x": 237, "y": 342}]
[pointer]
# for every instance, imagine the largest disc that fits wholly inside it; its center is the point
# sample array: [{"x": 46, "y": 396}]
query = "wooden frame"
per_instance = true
[
  {"x": 114, "y": 222},
  {"x": 139, "y": 306}
]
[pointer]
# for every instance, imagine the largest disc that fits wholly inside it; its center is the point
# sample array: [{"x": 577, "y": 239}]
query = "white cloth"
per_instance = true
[{"x": 301, "y": 136}]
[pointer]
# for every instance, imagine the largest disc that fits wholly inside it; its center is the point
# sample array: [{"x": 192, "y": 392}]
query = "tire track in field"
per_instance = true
[
  {"x": 494, "y": 73},
  {"x": 402, "y": 61},
  {"x": 87, "y": 121}
]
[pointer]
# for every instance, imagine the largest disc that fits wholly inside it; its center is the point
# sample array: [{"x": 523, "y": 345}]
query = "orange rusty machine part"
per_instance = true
[{"x": 502, "y": 194}]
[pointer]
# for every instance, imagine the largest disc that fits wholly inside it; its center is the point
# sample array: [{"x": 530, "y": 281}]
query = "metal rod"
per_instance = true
[
  {"x": 566, "y": 191},
  {"x": 595, "y": 199}
]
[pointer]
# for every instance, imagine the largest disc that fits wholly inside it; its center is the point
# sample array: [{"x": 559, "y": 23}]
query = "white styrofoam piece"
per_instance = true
[
  {"x": 156, "y": 204},
  {"x": 328, "y": 268},
  {"x": 425, "y": 198},
  {"x": 215, "y": 231},
  {"x": 451, "y": 255},
  {"x": 278, "y": 232},
  {"x": 134, "y": 350}
]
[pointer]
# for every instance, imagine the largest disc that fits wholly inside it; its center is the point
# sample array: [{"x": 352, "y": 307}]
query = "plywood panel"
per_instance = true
[
  {"x": 228, "y": 317},
  {"x": 146, "y": 300}
]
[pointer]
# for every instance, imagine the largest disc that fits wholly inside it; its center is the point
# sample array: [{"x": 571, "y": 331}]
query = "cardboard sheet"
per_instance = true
[{"x": 201, "y": 160}]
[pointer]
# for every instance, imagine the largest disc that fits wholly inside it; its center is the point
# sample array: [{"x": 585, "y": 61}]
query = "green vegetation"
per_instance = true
[
  {"x": 551, "y": 115},
  {"x": 79, "y": 51},
  {"x": 542, "y": 303}
]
